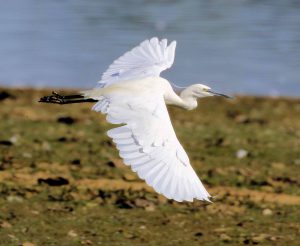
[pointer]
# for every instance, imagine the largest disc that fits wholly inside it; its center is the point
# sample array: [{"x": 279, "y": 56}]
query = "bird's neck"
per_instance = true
[
  {"x": 189, "y": 102},
  {"x": 180, "y": 96}
]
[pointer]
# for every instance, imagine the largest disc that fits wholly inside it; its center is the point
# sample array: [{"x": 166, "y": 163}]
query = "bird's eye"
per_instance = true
[{"x": 205, "y": 89}]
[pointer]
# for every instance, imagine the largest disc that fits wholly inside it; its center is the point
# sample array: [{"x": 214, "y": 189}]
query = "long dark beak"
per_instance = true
[{"x": 219, "y": 94}]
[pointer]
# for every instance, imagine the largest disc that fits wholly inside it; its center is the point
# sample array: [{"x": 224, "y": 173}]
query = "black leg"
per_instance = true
[
  {"x": 68, "y": 96},
  {"x": 59, "y": 99}
]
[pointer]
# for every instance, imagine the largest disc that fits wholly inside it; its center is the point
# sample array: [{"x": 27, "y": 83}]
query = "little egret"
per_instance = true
[{"x": 132, "y": 93}]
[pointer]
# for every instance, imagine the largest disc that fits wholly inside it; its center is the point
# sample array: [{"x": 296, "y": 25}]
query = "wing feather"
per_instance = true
[
  {"x": 150, "y": 58},
  {"x": 147, "y": 142}
]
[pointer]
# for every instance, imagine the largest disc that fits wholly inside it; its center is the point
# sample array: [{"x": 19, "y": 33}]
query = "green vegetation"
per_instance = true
[{"x": 62, "y": 183}]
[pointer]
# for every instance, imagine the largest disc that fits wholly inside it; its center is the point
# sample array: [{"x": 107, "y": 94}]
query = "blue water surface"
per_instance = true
[{"x": 235, "y": 46}]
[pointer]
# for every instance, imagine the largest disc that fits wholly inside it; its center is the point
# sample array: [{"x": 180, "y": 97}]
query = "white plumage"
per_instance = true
[
  {"x": 148, "y": 59},
  {"x": 132, "y": 93}
]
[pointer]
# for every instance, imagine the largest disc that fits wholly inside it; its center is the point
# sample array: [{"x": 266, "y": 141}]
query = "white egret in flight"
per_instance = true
[{"x": 132, "y": 93}]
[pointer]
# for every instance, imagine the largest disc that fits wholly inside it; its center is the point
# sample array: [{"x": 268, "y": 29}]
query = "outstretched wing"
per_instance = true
[
  {"x": 147, "y": 142},
  {"x": 150, "y": 58}
]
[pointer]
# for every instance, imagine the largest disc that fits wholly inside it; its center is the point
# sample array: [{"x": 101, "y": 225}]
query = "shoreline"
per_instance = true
[
  {"x": 71, "y": 89},
  {"x": 61, "y": 176}
]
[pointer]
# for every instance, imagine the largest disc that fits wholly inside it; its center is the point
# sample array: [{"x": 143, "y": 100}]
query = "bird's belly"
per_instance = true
[
  {"x": 149, "y": 84},
  {"x": 133, "y": 88}
]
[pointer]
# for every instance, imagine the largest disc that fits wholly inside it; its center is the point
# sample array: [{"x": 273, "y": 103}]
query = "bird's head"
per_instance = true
[
  {"x": 200, "y": 90},
  {"x": 190, "y": 94}
]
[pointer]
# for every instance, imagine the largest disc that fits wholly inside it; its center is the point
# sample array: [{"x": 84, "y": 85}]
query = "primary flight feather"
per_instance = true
[{"x": 132, "y": 93}]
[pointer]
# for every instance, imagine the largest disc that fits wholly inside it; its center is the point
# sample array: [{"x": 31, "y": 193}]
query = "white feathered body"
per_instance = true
[
  {"x": 146, "y": 86},
  {"x": 146, "y": 140}
]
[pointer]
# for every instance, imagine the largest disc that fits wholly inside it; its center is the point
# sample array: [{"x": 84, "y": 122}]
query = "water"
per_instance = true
[{"x": 235, "y": 46}]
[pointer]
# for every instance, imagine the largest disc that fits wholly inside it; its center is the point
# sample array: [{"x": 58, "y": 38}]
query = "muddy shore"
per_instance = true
[{"x": 62, "y": 182}]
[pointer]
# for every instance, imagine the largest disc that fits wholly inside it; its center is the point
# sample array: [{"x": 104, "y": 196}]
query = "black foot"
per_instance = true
[
  {"x": 54, "y": 98},
  {"x": 59, "y": 99}
]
